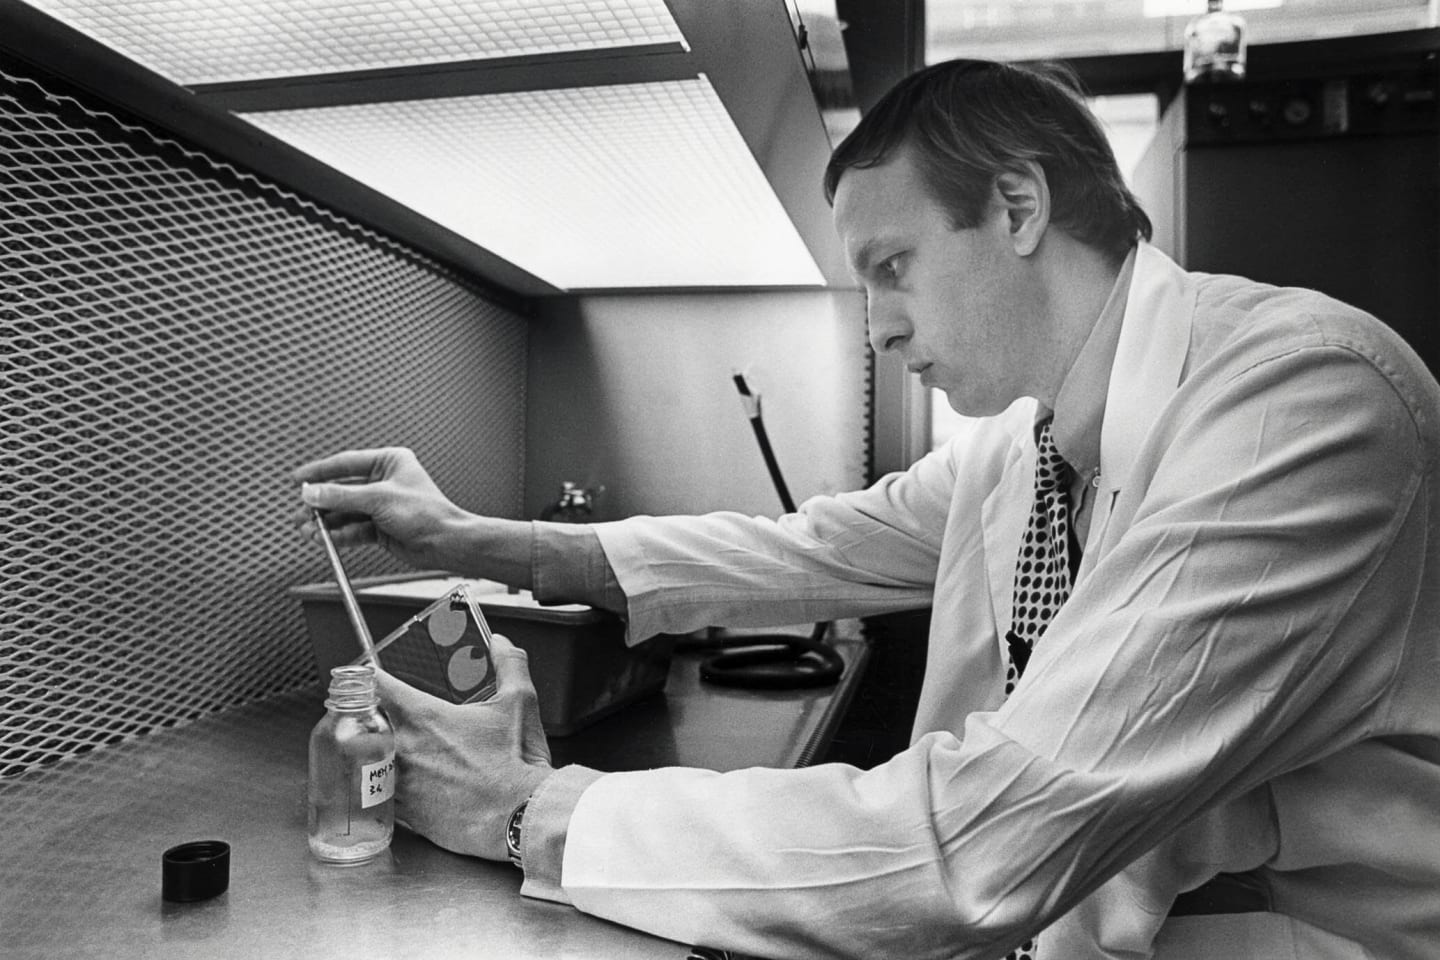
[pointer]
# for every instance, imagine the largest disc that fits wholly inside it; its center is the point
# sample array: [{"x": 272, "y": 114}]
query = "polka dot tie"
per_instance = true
[
  {"x": 1042, "y": 576},
  {"x": 1042, "y": 570}
]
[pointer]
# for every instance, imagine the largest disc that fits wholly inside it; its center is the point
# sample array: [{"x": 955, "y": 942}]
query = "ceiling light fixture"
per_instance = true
[
  {"x": 211, "y": 41},
  {"x": 620, "y": 186}
]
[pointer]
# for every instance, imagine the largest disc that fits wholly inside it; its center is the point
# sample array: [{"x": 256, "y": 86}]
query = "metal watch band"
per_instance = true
[{"x": 512, "y": 833}]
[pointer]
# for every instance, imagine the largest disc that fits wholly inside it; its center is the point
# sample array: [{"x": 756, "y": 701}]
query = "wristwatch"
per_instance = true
[{"x": 512, "y": 833}]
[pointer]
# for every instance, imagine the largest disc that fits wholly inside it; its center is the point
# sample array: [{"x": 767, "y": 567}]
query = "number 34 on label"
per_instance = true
[{"x": 377, "y": 782}]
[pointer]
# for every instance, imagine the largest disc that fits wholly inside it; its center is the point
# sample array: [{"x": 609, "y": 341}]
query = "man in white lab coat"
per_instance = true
[{"x": 1238, "y": 695}]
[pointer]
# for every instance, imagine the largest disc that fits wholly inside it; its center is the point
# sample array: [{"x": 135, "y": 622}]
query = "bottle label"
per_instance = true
[{"x": 377, "y": 782}]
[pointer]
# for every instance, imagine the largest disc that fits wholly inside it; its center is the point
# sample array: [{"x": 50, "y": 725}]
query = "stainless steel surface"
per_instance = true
[
  {"x": 720, "y": 728},
  {"x": 80, "y": 860}
]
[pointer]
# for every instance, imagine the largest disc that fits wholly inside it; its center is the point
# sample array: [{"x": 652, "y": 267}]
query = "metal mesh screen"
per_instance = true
[{"x": 177, "y": 336}]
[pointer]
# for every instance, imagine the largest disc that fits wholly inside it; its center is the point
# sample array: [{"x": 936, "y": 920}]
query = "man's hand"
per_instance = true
[
  {"x": 383, "y": 496},
  {"x": 464, "y": 768}
]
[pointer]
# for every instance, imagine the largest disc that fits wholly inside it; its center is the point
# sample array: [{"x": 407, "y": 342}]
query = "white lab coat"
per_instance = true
[{"x": 1244, "y": 676}]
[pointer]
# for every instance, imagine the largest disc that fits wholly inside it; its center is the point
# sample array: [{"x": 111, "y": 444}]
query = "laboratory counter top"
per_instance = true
[{"x": 80, "y": 859}]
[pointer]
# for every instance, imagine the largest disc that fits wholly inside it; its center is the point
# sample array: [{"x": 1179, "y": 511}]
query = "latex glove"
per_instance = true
[{"x": 464, "y": 767}]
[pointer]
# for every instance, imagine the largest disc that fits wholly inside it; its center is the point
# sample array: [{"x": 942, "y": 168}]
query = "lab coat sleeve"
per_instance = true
[
  {"x": 568, "y": 565},
  {"x": 544, "y": 830},
  {"x": 849, "y": 555},
  {"x": 1246, "y": 622}
]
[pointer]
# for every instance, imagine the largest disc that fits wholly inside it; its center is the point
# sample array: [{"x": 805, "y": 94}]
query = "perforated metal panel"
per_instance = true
[{"x": 175, "y": 337}]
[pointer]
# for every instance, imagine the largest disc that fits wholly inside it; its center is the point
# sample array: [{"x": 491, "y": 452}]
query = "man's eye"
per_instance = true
[{"x": 889, "y": 268}]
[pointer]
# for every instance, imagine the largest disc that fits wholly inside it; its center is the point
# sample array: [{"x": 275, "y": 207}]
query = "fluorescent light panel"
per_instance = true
[
  {"x": 630, "y": 185},
  {"x": 211, "y": 41}
]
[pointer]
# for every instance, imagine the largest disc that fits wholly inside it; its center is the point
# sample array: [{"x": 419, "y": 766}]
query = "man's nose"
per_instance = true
[{"x": 889, "y": 327}]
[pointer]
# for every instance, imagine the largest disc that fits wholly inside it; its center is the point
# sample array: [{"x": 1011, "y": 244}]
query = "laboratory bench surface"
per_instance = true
[{"x": 80, "y": 854}]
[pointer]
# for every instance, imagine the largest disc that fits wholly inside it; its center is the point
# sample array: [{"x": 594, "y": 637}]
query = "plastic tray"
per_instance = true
[{"x": 579, "y": 662}]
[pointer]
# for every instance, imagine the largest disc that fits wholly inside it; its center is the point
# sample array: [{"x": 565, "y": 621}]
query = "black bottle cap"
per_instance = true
[{"x": 195, "y": 871}]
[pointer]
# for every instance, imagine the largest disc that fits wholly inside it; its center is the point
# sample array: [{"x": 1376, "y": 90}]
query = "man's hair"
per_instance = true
[{"x": 969, "y": 121}]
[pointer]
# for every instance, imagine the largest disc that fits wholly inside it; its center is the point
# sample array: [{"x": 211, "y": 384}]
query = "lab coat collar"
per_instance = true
[
  {"x": 1080, "y": 401},
  {"x": 1149, "y": 360}
]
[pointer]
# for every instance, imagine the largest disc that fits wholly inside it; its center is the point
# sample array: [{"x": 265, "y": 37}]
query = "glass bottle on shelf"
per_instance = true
[
  {"x": 1215, "y": 46},
  {"x": 574, "y": 506},
  {"x": 352, "y": 771}
]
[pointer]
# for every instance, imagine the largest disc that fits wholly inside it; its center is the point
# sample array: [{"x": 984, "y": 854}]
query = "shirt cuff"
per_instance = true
[
  {"x": 547, "y": 824},
  {"x": 568, "y": 565}
]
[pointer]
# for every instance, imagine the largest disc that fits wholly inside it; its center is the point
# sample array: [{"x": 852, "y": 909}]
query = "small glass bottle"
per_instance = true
[
  {"x": 352, "y": 771},
  {"x": 574, "y": 505},
  {"x": 1215, "y": 46}
]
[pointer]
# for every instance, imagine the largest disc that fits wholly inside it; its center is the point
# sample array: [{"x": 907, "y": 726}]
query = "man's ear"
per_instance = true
[{"x": 1025, "y": 196}]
